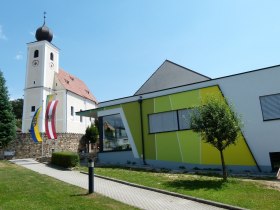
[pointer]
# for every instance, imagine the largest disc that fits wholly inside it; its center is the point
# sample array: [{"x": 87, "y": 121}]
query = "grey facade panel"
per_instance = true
[{"x": 170, "y": 75}]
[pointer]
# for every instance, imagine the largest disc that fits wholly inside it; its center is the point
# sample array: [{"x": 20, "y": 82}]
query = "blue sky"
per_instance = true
[{"x": 115, "y": 45}]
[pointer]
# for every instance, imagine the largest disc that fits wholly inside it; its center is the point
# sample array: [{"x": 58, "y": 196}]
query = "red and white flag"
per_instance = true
[{"x": 50, "y": 119}]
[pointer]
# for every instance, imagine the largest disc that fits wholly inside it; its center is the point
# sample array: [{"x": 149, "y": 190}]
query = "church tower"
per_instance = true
[{"x": 42, "y": 65}]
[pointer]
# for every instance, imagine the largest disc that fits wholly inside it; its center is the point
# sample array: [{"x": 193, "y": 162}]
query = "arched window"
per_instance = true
[
  {"x": 51, "y": 56},
  {"x": 36, "y": 53}
]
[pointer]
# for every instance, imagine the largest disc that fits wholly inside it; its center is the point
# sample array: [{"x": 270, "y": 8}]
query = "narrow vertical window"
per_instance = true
[
  {"x": 32, "y": 108},
  {"x": 36, "y": 53},
  {"x": 51, "y": 56},
  {"x": 72, "y": 111},
  {"x": 81, "y": 117}
]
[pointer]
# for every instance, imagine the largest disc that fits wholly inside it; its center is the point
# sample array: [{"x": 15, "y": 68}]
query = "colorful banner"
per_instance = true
[
  {"x": 50, "y": 118},
  {"x": 34, "y": 130}
]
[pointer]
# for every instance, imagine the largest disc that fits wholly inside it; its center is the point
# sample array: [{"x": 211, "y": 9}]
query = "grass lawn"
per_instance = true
[
  {"x": 22, "y": 189},
  {"x": 237, "y": 192}
]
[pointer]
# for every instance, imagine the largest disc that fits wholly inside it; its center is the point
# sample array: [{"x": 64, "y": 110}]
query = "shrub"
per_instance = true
[{"x": 65, "y": 159}]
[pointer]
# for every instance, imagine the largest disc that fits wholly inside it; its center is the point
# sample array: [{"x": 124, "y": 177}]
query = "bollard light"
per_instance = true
[{"x": 90, "y": 176}]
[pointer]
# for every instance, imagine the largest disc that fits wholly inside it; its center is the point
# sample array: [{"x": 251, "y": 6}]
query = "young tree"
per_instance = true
[
  {"x": 7, "y": 118},
  {"x": 91, "y": 135},
  {"x": 218, "y": 124}
]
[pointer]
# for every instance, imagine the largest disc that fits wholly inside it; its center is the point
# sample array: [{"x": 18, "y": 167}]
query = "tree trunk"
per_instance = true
[{"x": 223, "y": 165}]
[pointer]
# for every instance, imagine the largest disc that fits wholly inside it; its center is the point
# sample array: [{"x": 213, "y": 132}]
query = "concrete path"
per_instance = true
[{"x": 141, "y": 198}]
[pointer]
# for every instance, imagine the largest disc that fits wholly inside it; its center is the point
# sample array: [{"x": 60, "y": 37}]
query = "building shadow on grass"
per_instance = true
[{"x": 195, "y": 184}]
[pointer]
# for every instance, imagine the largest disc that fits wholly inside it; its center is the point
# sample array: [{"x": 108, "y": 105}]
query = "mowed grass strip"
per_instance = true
[
  {"x": 21, "y": 188},
  {"x": 237, "y": 192}
]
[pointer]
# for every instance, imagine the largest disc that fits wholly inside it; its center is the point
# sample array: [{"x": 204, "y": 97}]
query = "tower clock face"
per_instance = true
[
  {"x": 51, "y": 65},
  {"x": 35, "y": 63}
]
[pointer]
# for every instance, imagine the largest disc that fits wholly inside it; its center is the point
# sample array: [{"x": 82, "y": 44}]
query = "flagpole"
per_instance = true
[
  {"x": 42, "y": 146},
  {"x": 42, "y": 129}
]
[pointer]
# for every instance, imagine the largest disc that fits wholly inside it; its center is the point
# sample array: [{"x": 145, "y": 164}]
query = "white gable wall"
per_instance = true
[{"x": 74, "y": 125}]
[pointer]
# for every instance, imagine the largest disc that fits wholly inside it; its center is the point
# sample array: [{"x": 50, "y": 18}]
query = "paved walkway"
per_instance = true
[{"x": 141, "y": 198}]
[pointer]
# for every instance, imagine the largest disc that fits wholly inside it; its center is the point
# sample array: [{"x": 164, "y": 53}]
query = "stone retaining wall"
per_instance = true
[{"x": 25, "y": 147}]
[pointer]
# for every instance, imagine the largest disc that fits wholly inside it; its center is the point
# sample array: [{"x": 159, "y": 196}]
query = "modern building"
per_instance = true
[
  {"x": 153, "y": 126},
  {"x": 44, "y": 77}
]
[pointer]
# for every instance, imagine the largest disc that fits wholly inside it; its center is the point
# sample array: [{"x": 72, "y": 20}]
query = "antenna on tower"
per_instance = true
[{"x": 45, "y": 17}]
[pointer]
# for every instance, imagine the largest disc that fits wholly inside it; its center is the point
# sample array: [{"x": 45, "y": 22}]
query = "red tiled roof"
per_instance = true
[{"x": 75, "y": 85}]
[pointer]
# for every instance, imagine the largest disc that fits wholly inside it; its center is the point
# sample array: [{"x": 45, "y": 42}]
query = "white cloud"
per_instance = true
[
  {"x": 2, "y": 35},
  {"x": 19, "y": 56},
  {"x": 32, "y": 33}
]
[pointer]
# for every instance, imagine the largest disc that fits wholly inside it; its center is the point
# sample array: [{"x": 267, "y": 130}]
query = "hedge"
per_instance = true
[{"x": 65, "y": 159}]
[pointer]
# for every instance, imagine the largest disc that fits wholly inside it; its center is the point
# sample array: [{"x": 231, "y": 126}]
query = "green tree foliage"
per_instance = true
[
  {"x": 218, "y": 124},
  {"x": 91, "y": 133},
  {"x": 17, "y": 110},
  {"x": 17, "y": 107},
  {"x": 7, "y": 118}
]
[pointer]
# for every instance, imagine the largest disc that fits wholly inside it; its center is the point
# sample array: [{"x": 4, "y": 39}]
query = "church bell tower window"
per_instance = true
[
  {"x": 36, "y": 53},
  {"x": 51, "y": 56}
]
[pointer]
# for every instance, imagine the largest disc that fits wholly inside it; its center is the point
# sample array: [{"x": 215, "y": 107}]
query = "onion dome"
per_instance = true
[{"x": 44, "y": 33}]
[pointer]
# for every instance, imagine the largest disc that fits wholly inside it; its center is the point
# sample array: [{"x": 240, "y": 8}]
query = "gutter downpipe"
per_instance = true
[{"x": 140, "y": 100}]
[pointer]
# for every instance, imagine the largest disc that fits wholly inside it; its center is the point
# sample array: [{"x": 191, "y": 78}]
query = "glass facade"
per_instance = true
[{"x": 114, "y": 134}]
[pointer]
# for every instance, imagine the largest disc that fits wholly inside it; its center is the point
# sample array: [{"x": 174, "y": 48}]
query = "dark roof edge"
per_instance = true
[{"x": 247, "y": 72}]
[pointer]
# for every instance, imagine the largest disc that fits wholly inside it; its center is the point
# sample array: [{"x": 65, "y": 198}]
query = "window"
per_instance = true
[
  {"x": 170, "y": 121},
  {"x": 34, "y": 82},
  {"x": 51, "y": 56},
  {"x": 185, "y": 118},
  {"x": 36, "y": 53},
  {"x": 275, "y": 160},
  {"x": 81, "y": 117},
  {"x": 162, "y": 122},
  {"x": 270, "y": 107},
  {"x": 32, "y": 108},
  {"x": 72, "y": 111},
  {"x": 114, "y": 134}
]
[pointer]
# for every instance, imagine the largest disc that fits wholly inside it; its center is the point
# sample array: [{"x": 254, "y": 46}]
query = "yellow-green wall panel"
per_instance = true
[
  {"x": 167, "y": 147},
  {"x": 162, "y": 104},
  {"x": 185, "y": 99},
  {"x": 150, "y": 151},
  {"x": 190, "y": 146},
  {"x": 132, "y": 115},
  {"x": 239, "y": 154},
  {"x": 213, "y": 91},
  {"x": 209, "y": 154}
]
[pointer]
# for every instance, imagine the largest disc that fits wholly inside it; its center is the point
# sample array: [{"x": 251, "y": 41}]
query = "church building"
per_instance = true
[{"x": 44, "y": 78}]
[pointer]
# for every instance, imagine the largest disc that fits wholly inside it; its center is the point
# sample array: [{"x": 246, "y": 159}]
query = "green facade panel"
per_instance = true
[
  {"x": 190, "y": 145},
  {"x": 185, "y": 99},
  {"x": 132, "y": 115},
  {"x": 184, "y": 146},
  {"x": 150, "y": 148},
  {"x": 168, "y": 147},
  {"x": 162, "y": 104}
]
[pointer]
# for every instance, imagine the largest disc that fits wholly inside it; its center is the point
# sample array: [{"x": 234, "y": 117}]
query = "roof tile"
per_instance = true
[{"x": 75, "y": 85}]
